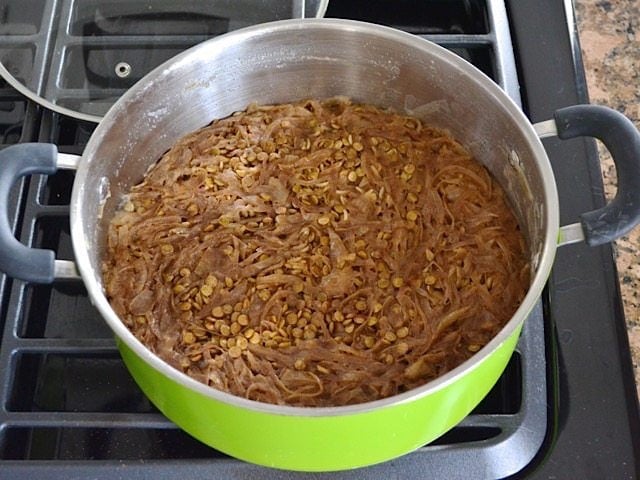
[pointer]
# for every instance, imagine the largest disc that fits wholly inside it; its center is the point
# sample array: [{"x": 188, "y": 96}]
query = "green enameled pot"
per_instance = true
[
  {"x": 323, "y": 438},
  {"x": 282, "y": 62}
]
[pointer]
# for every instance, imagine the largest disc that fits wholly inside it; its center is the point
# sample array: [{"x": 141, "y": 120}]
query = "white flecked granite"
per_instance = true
[{"x": 610, "y": 39}]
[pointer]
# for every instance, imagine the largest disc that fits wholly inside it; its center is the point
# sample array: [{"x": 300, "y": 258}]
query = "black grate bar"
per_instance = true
[
  {"x": 88, "y": 420},
  {"x": 69, "y": 346},
  {"x": 504, "y": 423},
  {"x": 50, "y": 210},
  {"x": 8, "y": 94}
]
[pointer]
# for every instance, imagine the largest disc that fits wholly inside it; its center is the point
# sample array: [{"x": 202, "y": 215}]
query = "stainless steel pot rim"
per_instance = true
[{"x": 545, "y": 257}]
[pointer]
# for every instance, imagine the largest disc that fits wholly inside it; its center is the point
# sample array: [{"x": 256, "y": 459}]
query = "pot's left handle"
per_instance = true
[{"x": 17, "y": 260}]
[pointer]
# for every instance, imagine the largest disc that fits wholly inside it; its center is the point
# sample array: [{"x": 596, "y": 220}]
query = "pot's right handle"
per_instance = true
[
  {"x": 622, "y": 139},
  {"x": 17, "y": 260}
]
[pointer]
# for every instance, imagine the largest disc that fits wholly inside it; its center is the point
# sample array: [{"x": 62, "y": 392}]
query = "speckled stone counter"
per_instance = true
[{"x": 610, "y": 39}]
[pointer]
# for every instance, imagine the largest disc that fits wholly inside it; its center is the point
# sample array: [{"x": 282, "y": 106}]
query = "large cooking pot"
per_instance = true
[{"x": 292, "y": 60}]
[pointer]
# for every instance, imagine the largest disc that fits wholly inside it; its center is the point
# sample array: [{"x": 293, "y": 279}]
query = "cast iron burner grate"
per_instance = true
[{"x": 68, "y": 405}]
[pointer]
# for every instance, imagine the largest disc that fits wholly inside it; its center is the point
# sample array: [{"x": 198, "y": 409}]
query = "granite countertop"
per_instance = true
[{"x": 610, "y": 39}]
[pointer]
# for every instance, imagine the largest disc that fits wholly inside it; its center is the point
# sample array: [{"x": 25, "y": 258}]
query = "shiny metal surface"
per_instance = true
[
  {"x": 546, "y": 129},
  {"x": 292, "y": 60},
  {"x": 68, "y": 161},
  {"x": 572, "y": 233},
  {"x": 65, "y": 269}
]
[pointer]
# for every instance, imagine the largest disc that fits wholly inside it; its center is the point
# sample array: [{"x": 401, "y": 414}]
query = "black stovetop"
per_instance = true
[{"x": 565, "y": 407}]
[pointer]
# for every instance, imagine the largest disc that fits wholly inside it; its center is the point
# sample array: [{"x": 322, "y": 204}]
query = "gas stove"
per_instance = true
[{"x": 565, "y": 407}]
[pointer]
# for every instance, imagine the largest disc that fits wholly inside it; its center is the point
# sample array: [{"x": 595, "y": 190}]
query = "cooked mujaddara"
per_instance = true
[{"x": 319, "y": 253}]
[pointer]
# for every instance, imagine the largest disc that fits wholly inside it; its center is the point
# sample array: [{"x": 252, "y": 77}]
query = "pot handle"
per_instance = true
[
  {"x": 622, "y": 139},
  {"x": 17, "y": 260}
]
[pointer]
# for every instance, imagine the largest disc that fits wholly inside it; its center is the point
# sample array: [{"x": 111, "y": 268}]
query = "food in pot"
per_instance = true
[{"x": 319, "y": 253}]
